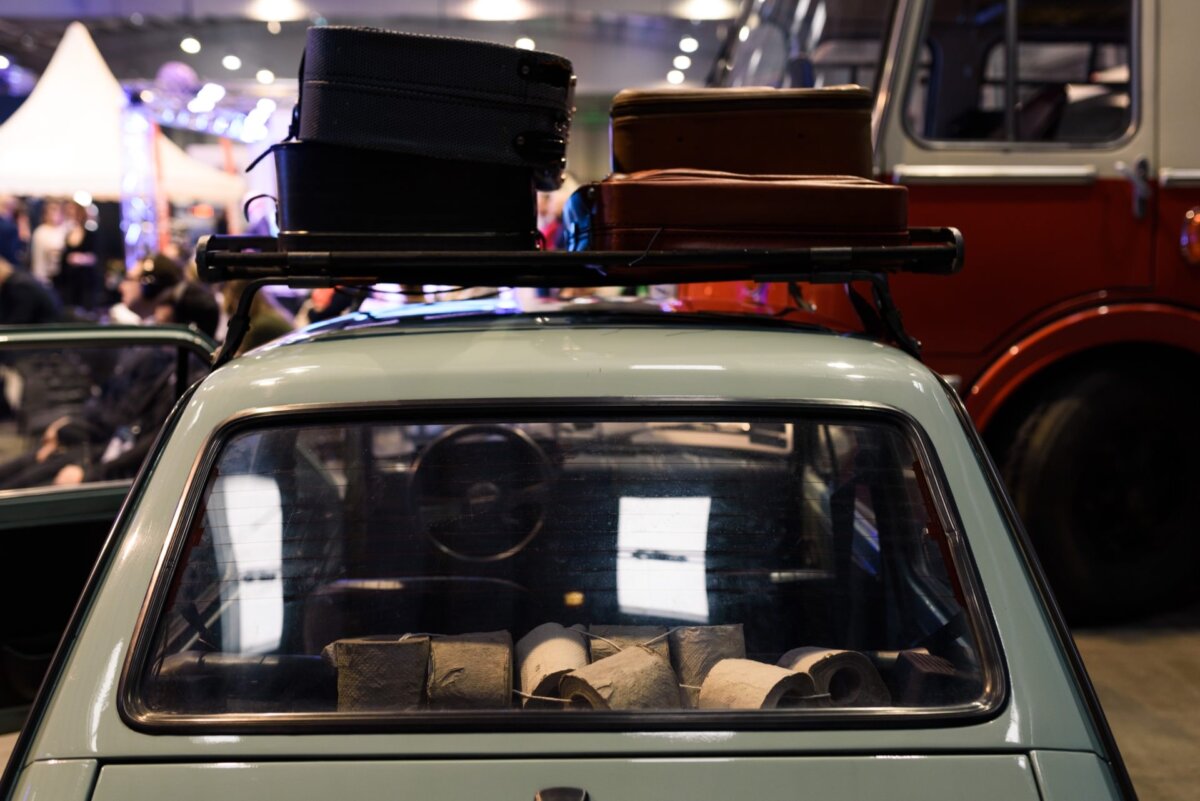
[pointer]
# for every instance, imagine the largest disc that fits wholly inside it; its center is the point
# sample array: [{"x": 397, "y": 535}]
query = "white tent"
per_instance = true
[
  {"x": 185, "y": 178},
  {"x": 66, "y": 136}
]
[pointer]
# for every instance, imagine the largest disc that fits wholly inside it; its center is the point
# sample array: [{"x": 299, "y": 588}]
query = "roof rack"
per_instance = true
[{"x": 262, "y": 261}]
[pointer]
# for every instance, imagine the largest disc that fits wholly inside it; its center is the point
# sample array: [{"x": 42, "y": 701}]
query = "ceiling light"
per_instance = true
[
  {"x": 705, "y": 9},
  {"x": 682, "y": 62},
  {"x": 211, "y": 92},
  {"x": 744, "y": 34},
  {"x": 675, "y": 76},
  {"x": 190, "y": 45},
  {"x": 276, "y": 11},
  {"x": 4, "y": 63},
  {"x": 146, "y": 96},
  {"x": 525, "y": 43},
  {"x": 274, "y": 27},
  {"x": 265, "y": 76},
  {"x": 231, "y": 62},
  {"x": 688, "y": 44},
  {"x": 498, "y": 10},
  {"x": 267, "y": 105},
  {"x": 83, "y": 198}
]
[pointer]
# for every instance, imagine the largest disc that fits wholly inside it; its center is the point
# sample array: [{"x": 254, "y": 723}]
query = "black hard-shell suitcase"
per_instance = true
[
  {"x": 437, "y": 97},
  {"x": 345, "y": 198}
]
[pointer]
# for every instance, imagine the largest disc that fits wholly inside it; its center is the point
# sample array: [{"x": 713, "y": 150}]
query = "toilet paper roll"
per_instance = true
[
  {"x": 696, "y": 649},
  {"x": 471, "y": 671},
  {"x": 375, "y": 673},
  {"x": 635, "y": 678},
  {"x": 848, "y": 677},
  {"x": 545, "y": 655},
  {"x": 618, "y": 638},
  {"x": 746, "y": 684}
]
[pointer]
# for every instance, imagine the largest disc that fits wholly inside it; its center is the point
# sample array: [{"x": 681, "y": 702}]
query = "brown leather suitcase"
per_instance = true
[
  {"x": 683, "y": 209},
  {"x": 747, "y": 130}
]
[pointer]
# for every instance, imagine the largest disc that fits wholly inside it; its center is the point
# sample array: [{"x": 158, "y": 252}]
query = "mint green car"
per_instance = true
[{"x": 581, "y": 553}]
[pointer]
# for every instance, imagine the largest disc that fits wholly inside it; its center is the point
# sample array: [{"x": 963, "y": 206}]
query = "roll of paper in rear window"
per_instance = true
[
  {"x": 374, "y": 673},
  {"x": 545, "y": 655},
  {"x": 746, "y": 684},
  {"x": 696, "y": 649},
  {"x": 847, "y": 677},
  {"x": 471, "y": 671},
  {"x": 635, "y": 678},
  {"x": 607, "y": 640}
]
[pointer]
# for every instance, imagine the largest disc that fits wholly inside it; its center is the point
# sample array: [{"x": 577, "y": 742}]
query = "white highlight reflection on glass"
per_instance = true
[
  {"x": 661, "y": 544},
  {"x": 245, "y": 513}
]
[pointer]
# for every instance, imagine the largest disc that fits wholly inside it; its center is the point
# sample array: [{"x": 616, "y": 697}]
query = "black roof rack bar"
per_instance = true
[{"x": 935, "y": 251}]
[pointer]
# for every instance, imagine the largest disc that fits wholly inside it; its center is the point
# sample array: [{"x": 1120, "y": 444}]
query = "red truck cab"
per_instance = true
[{"x": 1059, "y": 136}]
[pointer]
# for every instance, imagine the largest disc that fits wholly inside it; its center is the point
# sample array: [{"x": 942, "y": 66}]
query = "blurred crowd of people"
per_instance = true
[
  {"x": 54, "y": 272},
  {"x": 53, "y": 268}
]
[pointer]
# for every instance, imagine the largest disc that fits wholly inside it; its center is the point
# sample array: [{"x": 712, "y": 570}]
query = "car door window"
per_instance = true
[
  {"x": 76, "y": 415},
  {"x": 1071, "y": 80}
]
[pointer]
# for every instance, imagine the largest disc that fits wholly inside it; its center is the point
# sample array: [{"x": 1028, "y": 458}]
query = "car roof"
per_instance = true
[{"x": 565, "y": 355}]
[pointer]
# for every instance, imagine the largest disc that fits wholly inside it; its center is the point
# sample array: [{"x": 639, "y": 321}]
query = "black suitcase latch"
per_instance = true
[{"x": 540, "y": 147}]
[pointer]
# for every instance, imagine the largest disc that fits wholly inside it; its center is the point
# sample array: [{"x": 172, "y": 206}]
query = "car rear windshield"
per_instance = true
[{"x": 434, "y": 570}]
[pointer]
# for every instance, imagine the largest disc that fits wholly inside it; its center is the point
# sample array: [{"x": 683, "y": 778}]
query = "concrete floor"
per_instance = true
[{"x": 1148, "y": 678}]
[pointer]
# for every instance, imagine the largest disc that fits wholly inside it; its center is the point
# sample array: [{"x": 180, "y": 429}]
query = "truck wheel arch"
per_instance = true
[
  {"x": 1083, "y": 410},
  {"x": 1143, "y": 329}
]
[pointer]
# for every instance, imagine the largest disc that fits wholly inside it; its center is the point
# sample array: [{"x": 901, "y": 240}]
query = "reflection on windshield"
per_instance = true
[{"x": 807, "y": 43}]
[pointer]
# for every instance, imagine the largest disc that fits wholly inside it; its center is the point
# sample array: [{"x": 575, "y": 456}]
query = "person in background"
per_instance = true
[
  {"x": 550, "y": 214},
  {"x": 12, "y": 243},
  {"x": 78, "y": 278},
  {"x": 324, "y": 304},
  {"x": 268, "y": 320},
  {"x": 23, "y": 300},
  {"x": 47, "y": 242},
  {"x": 140, "y": 290},
  {"x": 191, "y": 304}
]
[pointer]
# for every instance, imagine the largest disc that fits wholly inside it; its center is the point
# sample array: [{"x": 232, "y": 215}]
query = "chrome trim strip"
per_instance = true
[
  {"x": 994, "y": 693},
  {"x": 1051, "y": 175},
  {"x": 1179, "y": 178},
  {"x": 52, "y": 491},
  {"x": 1010, "y": 70},
  {"x": 90, "y": 335},
  {"x": 889, "y": 59}
]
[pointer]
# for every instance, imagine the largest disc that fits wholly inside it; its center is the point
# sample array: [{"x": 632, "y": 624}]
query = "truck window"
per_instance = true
[
  {"x": 797, "y": 43},
  {"x": 1071, "y": 80}
]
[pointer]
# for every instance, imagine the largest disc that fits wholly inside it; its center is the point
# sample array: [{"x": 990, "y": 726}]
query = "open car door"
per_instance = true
[{"x": 80, "y": 407}]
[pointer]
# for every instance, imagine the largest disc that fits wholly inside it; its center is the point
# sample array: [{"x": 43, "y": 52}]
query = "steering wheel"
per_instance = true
[{"x": 478, "y": 492}]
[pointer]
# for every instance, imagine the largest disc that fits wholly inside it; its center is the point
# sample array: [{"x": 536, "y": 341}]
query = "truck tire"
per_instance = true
[{"x": 1104, "y": 473}]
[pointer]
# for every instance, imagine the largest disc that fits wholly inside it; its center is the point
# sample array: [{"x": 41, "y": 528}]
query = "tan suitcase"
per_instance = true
[
  {"x": 749, "y": 130},
  {"x": 684, "y": 209}
]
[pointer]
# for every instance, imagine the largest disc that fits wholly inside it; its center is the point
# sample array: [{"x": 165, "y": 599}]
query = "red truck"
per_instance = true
[{"x": 1060, "y": 136}]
